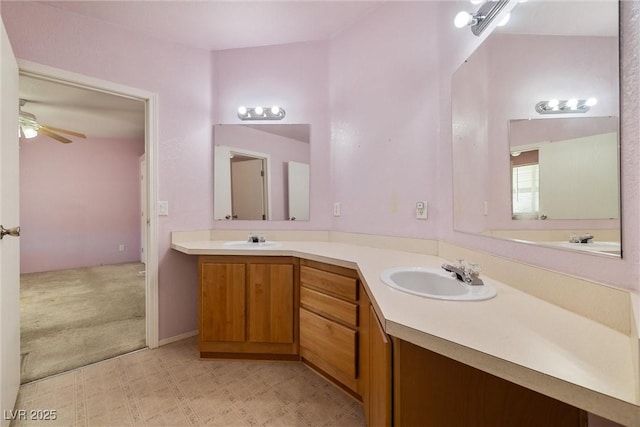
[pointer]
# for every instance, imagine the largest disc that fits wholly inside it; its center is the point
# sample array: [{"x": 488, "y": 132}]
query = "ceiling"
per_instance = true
[
  {"x": 220, "y": 25},
  {"x": 564, "y": 18},
  {"x": 96, "y": 114},
  {"x": 208, "y": 25}
]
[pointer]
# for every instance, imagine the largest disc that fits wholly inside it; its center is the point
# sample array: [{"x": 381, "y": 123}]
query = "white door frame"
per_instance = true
[
  {"x": 10, "y": 245},
  {"x": 222, "y": 179},
  {"x": 151, "y": 155}
]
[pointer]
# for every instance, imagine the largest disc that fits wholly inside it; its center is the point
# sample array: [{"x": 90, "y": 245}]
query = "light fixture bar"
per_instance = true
[
  {"x": 480, "y": 20},
  {"x": 567, "y": 106},
  {"x": 261, "y": 113},
  {"x": 486, "y": 14}
]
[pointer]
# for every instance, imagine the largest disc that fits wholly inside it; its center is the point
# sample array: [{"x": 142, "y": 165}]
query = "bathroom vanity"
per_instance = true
[
  {"x": 248, "y": 306},
  {"x": 410, "y": 360}
]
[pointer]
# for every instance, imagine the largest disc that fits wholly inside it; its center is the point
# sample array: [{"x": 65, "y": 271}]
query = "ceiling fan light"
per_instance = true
[{"x": 29, "y": 132}]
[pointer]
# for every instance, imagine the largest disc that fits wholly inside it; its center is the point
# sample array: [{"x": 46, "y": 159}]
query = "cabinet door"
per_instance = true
[
  {"x": 271, "y": 303},
  {"x": 431, "y": 390},
  {"x": 379, "y": 373},
  {"x": 222, "y": 302}
]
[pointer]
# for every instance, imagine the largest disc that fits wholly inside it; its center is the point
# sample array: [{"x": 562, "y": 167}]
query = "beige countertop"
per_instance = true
[{"x": 515, "y": 336}]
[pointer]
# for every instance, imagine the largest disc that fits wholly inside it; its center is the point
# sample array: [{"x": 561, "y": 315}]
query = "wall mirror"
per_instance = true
[
  {"x": 261, "y": 172},
  {"x": 548, "y": 179}
]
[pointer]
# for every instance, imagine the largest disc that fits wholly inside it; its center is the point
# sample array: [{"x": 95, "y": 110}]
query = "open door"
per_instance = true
[
  {"x": 222, "y": 183},
  {"x": 9, "y": 244},
  {"x": 298, "y": 188},
  {"x": 248, "y": 188}
]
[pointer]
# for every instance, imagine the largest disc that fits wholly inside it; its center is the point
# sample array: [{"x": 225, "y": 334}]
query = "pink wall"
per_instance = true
[
  {"x": 384, "y": 121},
  {"x": 79, "y": 202},
  {"x": 470, "y": 143},
  {"x": 377, "y": 97},
  {"x": 181, "y": 76},
  {"x": 294, "y": 76}
]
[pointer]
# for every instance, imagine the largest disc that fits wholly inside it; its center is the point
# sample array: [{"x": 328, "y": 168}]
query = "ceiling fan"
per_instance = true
[{"x": 30, "y": 127}]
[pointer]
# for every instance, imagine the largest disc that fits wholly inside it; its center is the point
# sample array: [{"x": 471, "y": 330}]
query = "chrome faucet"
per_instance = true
[
  {"x": 467, "y": 273},
  {"x": 584, "y": 238},
  {"x": 254, "y": 238}
]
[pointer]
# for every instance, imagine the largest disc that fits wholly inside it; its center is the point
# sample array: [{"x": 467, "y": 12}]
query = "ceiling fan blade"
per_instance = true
[
  {"x": 68, "y": 132},
  {"x": 53, "y": 135}
]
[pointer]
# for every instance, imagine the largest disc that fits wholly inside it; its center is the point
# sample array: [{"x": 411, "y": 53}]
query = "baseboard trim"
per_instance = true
[{"x": 175, "y": 338}]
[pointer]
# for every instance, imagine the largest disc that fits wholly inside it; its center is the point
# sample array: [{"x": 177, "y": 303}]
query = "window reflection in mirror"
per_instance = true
[
  {"x": 565, "y": 168},
  {"x": 572, "y": 188},
  {"x": 261, "y": 172}
]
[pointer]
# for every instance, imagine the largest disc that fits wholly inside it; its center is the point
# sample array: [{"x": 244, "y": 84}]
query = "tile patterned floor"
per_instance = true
[{"x": 171, "y": 386}]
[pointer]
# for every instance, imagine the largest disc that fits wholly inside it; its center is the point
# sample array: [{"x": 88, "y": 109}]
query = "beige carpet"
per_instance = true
[{"x": 71, "y": 318}]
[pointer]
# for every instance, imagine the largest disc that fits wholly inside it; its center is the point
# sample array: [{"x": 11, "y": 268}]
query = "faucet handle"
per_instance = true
[{"x": 474, "y": 270}]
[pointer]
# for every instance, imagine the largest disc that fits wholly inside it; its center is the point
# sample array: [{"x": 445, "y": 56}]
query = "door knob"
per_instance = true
[{"x": 15, "y": 231}]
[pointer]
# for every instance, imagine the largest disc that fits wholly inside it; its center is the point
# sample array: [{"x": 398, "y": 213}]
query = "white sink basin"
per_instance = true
[
  {"x": 251, "y": 245},
  {"x": 434, "y": 283}
]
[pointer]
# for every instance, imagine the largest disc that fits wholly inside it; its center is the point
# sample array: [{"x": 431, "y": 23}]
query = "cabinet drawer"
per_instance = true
[
  {"x": 326, "y": 305},
  {"x": 331, "y": 283},
  {"x": 329, "y": 346}
]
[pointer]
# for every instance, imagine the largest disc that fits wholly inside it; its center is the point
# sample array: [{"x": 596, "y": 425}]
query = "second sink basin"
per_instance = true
[
  {"x": 251, "y": 245},
  {"x": 434, "y": 283}
]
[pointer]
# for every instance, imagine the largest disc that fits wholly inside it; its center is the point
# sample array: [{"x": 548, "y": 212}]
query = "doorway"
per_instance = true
[
  {"x": 248, "y": 187},
  {"x": 146, "y": 234}
]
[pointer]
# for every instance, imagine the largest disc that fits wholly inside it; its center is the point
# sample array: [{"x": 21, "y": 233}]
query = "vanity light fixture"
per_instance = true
[
  {"x": 480, "y": 20},
  {"x": 261, "y": 113},
  {"x": 567, "y": 106}
]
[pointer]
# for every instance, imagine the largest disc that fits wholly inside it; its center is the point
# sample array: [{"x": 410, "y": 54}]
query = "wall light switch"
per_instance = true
[
  {"x": 421, "y": 210},
  {"x": 485, "y": 208},
  {"x": 336, "y": 209},
  {"x": 163, "y": 208}
]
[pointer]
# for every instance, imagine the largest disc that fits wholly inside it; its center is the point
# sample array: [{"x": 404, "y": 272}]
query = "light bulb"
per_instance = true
[
  {"x": 591, "y": 102},
  {"x": 29, "y": 132},
  {"x": 259, "y": 110},
  {"x": 462, "y": 19},
  {"x": 572, "y": 103},
  {"x": 242, "y": 111},
  {"x": 476, "y": 1},
  {"x": 553, "y": 103},
  {"x": 275, "y": 110},
  {"x": 504, "y": 20}
]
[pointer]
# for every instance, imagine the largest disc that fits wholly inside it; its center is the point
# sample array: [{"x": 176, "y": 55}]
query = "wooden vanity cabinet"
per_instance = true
[
  {"x": 248, "y": 307},
  {"x": 375, "y": 358},
  {"x": 433, "y": 390},
  {"x": 329, "y": 321}
]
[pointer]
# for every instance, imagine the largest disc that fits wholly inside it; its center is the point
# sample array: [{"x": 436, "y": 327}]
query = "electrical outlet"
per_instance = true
[
  {"x": 421, "y": 210},
  {"x": 336, "y": 209}
]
